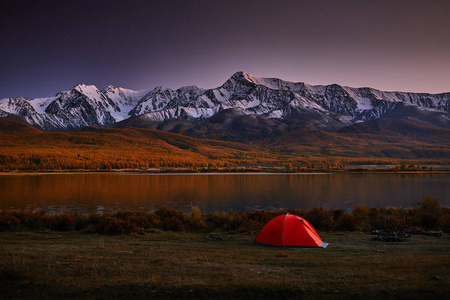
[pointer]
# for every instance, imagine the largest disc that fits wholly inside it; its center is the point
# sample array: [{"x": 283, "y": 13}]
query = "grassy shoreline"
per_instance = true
[
  {"x": 427, "y": 214},
  {"x": 171, "y": 254},
  {"x": 219, "y": 265}
]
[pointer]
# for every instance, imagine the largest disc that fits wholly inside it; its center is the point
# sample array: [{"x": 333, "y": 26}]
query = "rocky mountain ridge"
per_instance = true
[{"x": 326, "y": 107}]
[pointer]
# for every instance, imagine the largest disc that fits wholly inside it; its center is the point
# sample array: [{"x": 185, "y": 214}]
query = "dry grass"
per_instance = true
[{"x": 219, "y": 265}]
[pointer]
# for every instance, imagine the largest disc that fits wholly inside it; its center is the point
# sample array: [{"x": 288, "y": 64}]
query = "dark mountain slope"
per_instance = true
[{"x": 8, "y": 126}]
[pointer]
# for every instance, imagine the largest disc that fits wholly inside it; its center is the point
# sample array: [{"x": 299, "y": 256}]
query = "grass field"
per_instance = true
[{"x": 47, "y": 264}]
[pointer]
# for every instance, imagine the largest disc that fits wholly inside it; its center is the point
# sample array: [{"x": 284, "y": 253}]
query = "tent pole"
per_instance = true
[{"x": 282, "y": 233}]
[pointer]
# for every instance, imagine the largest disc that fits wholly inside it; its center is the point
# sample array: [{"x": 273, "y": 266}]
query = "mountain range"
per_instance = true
[
  {"x": 248, "y": 119},
  {"x": 245, "y": 105}
]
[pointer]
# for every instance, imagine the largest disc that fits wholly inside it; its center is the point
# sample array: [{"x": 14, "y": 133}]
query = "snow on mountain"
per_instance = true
[
  {"x": 187, "y": 113},
  {"x": 124, "y": 99},
  {"x": 41, "y": 104},
  {"x": 329, "y": 105},
  {"x": 16, "y": 106},
  {"x": 164, "y": 98},
  {"x": 271, "y": 83},
  {"x": 84, "y": 103},
  {"x": 155, "y": 100},
  {"x": 275, "y": 98},
  {"x": 21, "y": 105}
]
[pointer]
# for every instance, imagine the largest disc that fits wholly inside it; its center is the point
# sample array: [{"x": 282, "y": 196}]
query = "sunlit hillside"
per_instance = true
[{"x": 26, "y": 148}]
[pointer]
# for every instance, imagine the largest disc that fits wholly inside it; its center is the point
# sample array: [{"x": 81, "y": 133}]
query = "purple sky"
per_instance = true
[{"x": 50, "y": 46}]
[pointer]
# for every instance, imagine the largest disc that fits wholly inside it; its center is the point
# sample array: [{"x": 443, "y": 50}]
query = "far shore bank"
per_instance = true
[{"x": 253, "y": 169}]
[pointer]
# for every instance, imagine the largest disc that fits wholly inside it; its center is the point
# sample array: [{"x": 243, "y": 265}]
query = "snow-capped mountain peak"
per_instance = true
[
  {"x": 109, "y": 88},
  {"x": 331, "y": 106},
  {"x": 272, "y": 83}
]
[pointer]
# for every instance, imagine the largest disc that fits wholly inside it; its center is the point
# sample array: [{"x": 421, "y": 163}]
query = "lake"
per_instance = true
[{"x": 101, "y": 192}]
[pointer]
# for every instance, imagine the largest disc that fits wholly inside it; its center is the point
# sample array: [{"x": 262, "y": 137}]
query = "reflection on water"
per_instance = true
[{"x": 97, "y": 193}]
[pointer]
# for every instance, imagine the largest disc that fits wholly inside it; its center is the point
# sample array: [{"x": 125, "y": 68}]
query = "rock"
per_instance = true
[{"x": 437, "y": 278}]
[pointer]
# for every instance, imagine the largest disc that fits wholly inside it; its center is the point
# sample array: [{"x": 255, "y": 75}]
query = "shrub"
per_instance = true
[
  {"x": 216, "y": 220},
  {"x": 95, "y": 219},
  {"x": 234, "y": 220},
  {"x": 321, "y": 218},
  {"x": 83, "y": 222},
  {"x": 33, "y": 220},
  {"x": 250, "y": 226},
  {"x": 196, "y": 219},
  {"x": 228, "y": 222},
  {"x": 445, "y": 220},
  {"x": 171, "y": 219},
  {"x": 172, "y": 224},
  {"x": 346, "y": 222},
  {"x": 8, "y": 221},
  {"x": 429, "y": 204},
  {"x": 429, "y": 212},
  {"x": 361, "y": 217},
  {"x": 62, "y": 222},
  {"x": 337, "y": 213},
  {"x": 389, "y": 223},
  {"x": 297, "y": 212},
  {"x": 112, "y": 225},
  {"x": 384, "y": 219},
  {"x": 262, "y": 216},
  {"x": 139, "y": 219}
]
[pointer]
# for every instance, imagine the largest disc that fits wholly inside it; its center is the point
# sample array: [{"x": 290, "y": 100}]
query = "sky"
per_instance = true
[{"x": 50, "y": 46}]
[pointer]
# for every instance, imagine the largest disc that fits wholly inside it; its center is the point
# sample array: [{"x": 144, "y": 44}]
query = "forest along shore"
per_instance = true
[{"x": 287, "y": 168}]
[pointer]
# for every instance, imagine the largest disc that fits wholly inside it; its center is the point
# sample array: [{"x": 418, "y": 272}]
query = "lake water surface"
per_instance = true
[{"x": 97, "y": 193}]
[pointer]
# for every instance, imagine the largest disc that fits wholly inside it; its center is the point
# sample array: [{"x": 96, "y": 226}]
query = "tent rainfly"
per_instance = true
[{"x": 289, "y": 231}]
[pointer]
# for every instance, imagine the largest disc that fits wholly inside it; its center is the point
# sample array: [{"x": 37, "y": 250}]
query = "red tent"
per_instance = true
[{"x": 290, "y": 231}]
